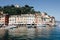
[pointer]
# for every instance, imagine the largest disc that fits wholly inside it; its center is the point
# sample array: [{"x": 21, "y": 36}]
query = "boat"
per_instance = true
[
  {"x": 10, "y": 27},
  {"x": 41, "y": 25},
  {"x": 31, "y": 25}
]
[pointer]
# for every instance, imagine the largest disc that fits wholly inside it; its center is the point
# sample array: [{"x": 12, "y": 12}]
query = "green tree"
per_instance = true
[
  {"x": 1, "y": 8},
  {"x": 26, "y": 9},
  {"x": 12, "y": 10}
]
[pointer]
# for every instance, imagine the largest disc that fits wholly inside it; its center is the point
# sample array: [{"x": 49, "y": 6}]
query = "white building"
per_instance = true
[
  {"x": 2, "y": 19},
  {"x": 22, "y": 19}
]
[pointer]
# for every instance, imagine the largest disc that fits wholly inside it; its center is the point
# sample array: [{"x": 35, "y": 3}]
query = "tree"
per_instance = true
[
  {"x": 45, "y": 13},
  {"x": 12, "y": 10},
  {"x": 27, "y": 9},
  {"x": 1, "y": 8}
]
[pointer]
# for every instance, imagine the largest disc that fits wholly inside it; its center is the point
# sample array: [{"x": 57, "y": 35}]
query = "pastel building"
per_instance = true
[
  {"x": 21, "y": 19},
  {"x": 48, "y": 19},
  {"x": 37, "y": 18},
  {"x": 4, "y": 19}
]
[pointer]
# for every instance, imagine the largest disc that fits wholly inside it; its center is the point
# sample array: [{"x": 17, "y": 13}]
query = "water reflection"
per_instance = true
[
  {"x": 31, "y": 33},
  {"x": 39, "y": 33}
]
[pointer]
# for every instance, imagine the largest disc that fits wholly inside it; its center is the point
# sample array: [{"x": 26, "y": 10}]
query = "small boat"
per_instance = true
[
  {"x": 10, "y": 27},
  {"x": 31, "y": 26},
  {"x": 41, "y": 25}
]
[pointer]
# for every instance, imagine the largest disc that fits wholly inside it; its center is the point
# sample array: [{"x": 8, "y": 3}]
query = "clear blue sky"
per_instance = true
[{"x": 52, "y": 7}]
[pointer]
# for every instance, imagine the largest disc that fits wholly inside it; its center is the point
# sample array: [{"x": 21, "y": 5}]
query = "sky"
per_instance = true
[{"x": 51, "y": 7}]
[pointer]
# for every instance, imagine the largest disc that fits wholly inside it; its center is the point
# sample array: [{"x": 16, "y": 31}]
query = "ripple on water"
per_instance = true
[{"x": 40, "y": 33}]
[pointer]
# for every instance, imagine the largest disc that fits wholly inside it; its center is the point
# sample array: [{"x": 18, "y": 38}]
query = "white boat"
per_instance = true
[
  {"x": 10, "y": 27},
  {"x": 41, "y": 25}
]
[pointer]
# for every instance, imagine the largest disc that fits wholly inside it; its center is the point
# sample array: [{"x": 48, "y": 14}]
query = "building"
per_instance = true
[
  {"x": 17, "y": 6},
  {"x": 21, "y": 19},
  {"x": 3, "y": 19},
  {"x": 37, "y": 18},
  {"x": 47, "y": 19},
  {"x": 52, "y": 20}
]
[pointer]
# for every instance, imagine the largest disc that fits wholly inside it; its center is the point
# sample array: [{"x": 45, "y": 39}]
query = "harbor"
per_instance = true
[
  {"x": 24, "y": 22},
  {"x": 27, "y": 26},
  {"x": 24, "y": 33}
]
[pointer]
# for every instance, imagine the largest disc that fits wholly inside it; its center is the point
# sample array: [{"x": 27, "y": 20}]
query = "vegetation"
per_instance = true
[{"x": 12, "y": 10}]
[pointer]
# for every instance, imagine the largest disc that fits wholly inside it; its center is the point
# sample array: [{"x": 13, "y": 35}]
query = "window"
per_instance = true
[{"x": 44, "y": 19}]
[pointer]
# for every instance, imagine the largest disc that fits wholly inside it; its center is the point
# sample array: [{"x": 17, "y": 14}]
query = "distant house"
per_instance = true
[
  {"x": 53, "y": 20},
  {"x": 47, "y": 19}
]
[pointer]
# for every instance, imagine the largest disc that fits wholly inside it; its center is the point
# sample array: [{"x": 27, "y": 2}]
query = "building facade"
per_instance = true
[
  {"x": 36, "y": 18},
  {"x": 4, "y": 19},
  {"x": 21, "y": 19}
]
